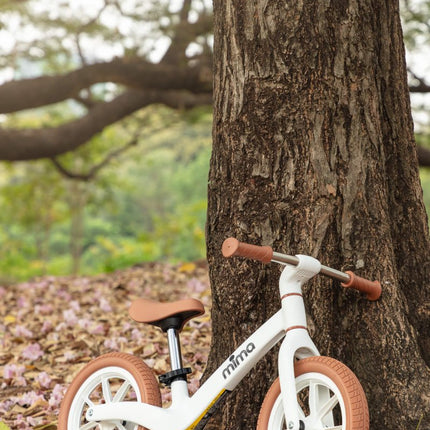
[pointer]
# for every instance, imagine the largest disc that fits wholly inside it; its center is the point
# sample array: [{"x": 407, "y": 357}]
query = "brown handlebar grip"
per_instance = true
[
  {"x": 232, "y": 247},
  {"x": 371, "y": 288}
]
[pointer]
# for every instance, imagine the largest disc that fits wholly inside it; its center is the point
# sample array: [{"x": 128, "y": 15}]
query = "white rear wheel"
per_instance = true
[{"x": 110, "y": 378}]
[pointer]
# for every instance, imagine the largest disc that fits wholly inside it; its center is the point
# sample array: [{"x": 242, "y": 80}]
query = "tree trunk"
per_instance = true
[
  {"x": 78, "y": 198},
  {"x": 314, "y": 153}
]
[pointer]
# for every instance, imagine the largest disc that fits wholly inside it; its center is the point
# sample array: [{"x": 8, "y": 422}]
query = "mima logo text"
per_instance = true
[{"x": 235, "y": 361}]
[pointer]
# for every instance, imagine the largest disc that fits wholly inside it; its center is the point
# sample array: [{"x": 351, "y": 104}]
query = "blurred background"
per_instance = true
[{"x": 136, "y": 191}]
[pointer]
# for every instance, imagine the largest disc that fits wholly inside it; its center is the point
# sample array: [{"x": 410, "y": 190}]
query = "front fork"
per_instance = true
[
  {"x": 297, "y": 343},
  {"x": 288, "y": 353}
]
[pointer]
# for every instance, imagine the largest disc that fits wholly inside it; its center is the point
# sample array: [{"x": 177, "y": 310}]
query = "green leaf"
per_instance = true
[{"x": 3, "y": 426}]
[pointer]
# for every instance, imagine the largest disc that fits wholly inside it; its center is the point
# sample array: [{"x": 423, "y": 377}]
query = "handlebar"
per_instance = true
[{"x": 232, "y": 247}]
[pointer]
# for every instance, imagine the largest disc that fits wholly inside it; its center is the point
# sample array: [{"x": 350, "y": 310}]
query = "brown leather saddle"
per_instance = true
[{"x": 166, "y": 315}]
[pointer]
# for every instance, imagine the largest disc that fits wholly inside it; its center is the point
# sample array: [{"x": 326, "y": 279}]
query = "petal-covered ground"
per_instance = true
[{"x": 50, "y": 328}]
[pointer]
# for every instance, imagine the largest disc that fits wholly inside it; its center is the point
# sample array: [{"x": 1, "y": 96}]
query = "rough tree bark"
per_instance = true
[{"x": 314, "y": 153}]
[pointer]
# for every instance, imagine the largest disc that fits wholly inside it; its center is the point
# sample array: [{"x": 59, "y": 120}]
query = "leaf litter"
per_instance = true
[{"x": 53, "y": 326}]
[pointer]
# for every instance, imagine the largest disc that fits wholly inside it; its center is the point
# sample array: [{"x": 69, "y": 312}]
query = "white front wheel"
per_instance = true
[{"x": 329, "y": 397}]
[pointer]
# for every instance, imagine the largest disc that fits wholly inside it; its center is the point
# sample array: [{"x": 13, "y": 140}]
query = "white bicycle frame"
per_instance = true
[{"x": 185, "y": 412}]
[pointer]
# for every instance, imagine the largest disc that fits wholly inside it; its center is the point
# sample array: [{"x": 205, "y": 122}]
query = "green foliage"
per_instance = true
[
  {"x": 415, "y": 15},
  {"x": 146, "y": 204},
  {"x": 425, "y": 181},
  {"x": 424, "y": 140}
]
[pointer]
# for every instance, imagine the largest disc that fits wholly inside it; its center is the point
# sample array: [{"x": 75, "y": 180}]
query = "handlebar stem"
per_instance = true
[{"x": 325, "y": 270}]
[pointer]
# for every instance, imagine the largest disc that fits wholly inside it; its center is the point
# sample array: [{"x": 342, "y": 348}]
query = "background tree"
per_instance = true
[
  {"x": 48, "y": 42},
  {"x": 416, "y": 18},
  {"x": 147, "y": 203},
  {"x": 104, "y": 57},
  {"x": 106, "y": 46},
  {"x": 314, "y": 153}
]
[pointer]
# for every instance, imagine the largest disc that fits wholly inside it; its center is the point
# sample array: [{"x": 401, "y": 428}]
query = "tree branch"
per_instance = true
[
  {"x": 185, "y": 33},
  {"x": 175, "y": 54},
  {"x": 30, "y": 144},
  {"x": 421, "y": 87},
  {"x": 423, "y": 156},
  {"x": 138, "y": 74},
  {"x": 97, "y": 167}
]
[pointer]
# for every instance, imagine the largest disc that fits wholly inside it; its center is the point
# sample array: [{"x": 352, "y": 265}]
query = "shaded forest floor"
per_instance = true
[{"x": 52, "y": 327}]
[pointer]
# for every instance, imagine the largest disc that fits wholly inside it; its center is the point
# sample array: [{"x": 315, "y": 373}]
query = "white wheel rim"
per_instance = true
[
  {"x": 102, "y": 378},
  {"x": 324, "y": 397}
]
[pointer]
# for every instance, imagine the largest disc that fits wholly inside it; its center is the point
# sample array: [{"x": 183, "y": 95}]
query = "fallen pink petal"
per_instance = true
[
  {"x": 32, "y": 352},
  {"x": 70, "y": 328},
  {"x": 44, "y": 380}
]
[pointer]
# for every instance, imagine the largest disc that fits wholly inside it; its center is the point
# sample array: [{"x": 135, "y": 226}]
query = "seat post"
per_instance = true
[
  {"x": 174, "y": 349},
  {"x": 178, "y": 373}
]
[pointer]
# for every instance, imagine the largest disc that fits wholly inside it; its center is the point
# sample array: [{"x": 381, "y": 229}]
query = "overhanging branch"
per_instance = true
[
  {"x": 30, "y": 144},
  {"x": 137, "y": 74}
]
